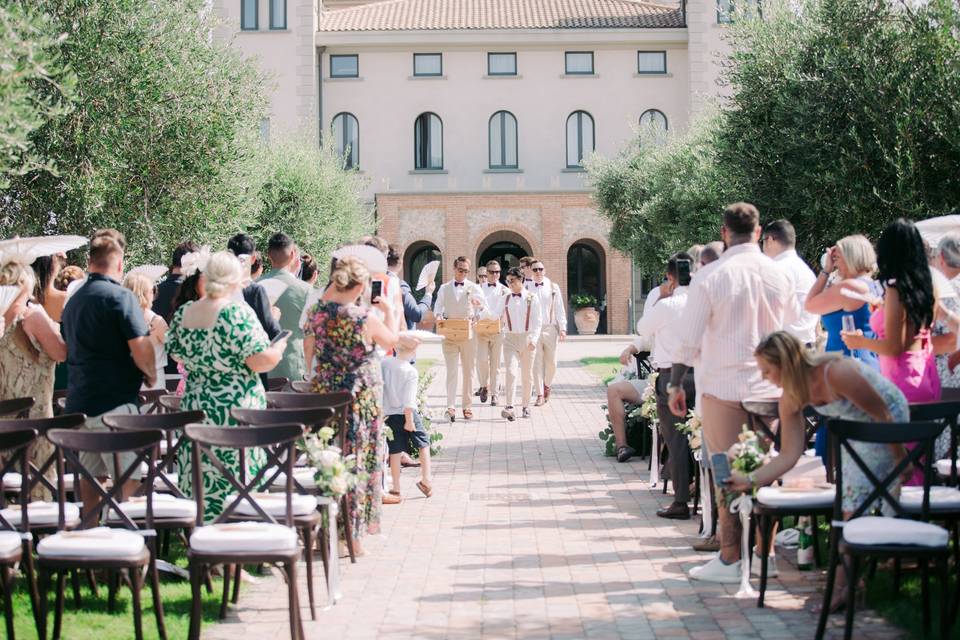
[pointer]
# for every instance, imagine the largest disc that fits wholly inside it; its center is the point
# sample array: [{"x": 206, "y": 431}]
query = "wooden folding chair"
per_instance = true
[{"x": 16, "y": 407}]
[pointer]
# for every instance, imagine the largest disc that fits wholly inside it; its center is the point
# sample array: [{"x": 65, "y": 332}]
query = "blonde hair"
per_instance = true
[
  {"x": 795, "y": 361},
  {"x": 141, "y": 286},
  {"x": 222, "y": 273},
  {"x": 16, "y": 274},
  {"x": 348, "y": 272},
  {"x": 67, "y": 275},
  {"x": 858, "y": 253}
]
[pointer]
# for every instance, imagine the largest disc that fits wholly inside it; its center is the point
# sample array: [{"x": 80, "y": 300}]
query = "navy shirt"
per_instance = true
[
  {"x": 166, "y": 292},
  {"x": 97, "y": 322}
]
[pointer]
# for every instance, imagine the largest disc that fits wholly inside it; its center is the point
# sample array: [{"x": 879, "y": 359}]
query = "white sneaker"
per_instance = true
[
  {"x": 717, "y": 571},
  {"x": 771, "y": 566}
]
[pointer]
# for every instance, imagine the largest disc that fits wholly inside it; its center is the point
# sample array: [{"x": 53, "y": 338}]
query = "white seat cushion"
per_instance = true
[
  {"x": 10, "y": 541},
  {"x": 100, "y": 542},
  {"x": 160, "y": 485},
  {"x": 796, "y": 498},
  {"x": 42, "y": 513},
  {"x": 68, "y": 480},
  {"x": 874, "y": 530},
  {"x": 941, "y": 498},
  {"x": 943, "y": 467},
  {"x": 243, "y": 537},
  {"x": 164, "y": 506},
  {"x": 275, "y": 504},
  {"x": 12, "y": 481},
  {"x": 304, "y": 475}
]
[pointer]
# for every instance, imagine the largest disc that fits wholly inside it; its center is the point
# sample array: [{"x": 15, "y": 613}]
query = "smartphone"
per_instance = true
[
  {"x": 286, "y": 333},
  {"x": 683, "y": 272},
  {"x": 721, "y": 468},
  {"x": 376, "y": 290}
]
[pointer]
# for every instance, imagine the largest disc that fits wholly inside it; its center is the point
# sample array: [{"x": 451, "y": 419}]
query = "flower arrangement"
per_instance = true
[
  {"x": 694, "y": 432},
  {"x": 426, "y": 416},
  {"x": 335, "y": 473},
  {"x": 634, "y": 421},
  {"x": 582, "y": 301},
  {"x": 746, "y": 454},
  {"x": 648, "y": 399}
]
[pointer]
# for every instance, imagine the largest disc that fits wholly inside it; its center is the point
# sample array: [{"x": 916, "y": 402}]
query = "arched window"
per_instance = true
[
  {"x": 415, "y": 258},
  {"x": 346, "y": 134},
  {"x": 586, "y": 273},
  {"x": 428, "y": 142},
  {"x": 503, "y": 141},
  {"x": 653, "y": 118},
  {"x": 581, "y": 140}
]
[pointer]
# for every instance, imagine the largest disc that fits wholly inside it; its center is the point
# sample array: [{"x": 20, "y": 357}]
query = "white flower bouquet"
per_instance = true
[
  {"x": 694, "y": 432},
  {"x": 335, "y": 473},
  {"x": 648, "y": 399}
]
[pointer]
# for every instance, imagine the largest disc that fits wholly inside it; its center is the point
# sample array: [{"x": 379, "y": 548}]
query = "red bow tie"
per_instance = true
[
  {"x": 516, "y": 295},
  {"x": 458, "y": 284},
  {"x": 538, "y": 284}
]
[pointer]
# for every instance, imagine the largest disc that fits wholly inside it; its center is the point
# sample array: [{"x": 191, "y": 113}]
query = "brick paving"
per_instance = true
[{"x": 532, "y": 533}]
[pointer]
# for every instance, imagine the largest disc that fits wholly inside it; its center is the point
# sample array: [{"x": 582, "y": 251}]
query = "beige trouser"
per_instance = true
[
  {"x": 459, "y": 356},
  {"x": 515, "y": 348},
  {"x": 545, "y": 364},
  {"x": 489, "y": 349},
  {"x": 723, "y": 421}
]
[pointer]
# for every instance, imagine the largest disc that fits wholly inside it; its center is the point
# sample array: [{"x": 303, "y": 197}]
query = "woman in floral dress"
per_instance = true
[
  {"x": 223, "y": 347},
  {"x": 343, "y": 335}
]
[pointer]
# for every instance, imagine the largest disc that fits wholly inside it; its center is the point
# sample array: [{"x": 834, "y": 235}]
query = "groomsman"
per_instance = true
[
  {"x": 459, "y": 299},
  {"x": 554, "y": 331},
  {"x": 526, "y": 267},
  {"x": 522, "y": 319},
  {"x": 489, "y": 348}
]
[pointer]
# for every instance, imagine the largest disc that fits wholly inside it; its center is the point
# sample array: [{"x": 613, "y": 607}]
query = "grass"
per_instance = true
[
  {"x": 92, "y": 621},
  {"x": 604, "y": 368},
  {"x": 424, "y": 364}
]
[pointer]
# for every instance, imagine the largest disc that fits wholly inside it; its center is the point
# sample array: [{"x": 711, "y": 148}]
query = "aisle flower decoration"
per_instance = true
[
  {"x": 335, "y": 473},
  {"x": 746, "y": 457},
  {"x": 648, "y": 399},
  {"x": 747, "y": 454},
  {"x": 694, "y": 432}
]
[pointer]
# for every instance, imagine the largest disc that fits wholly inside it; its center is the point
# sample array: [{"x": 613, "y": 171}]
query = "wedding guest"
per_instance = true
[
  {"x": 663, "y": 324},
  {"x": 481, "y": 275},
  {"x": 490, "y": 348},
  {"x": 285, "y": 263},
  {"x": 47, "y": 269},
  {"x": 109, "y": 354},
  {"x": 623, "y": 392},
  {"x": 948, "y": 263},
  {"x": 344, "y": 336},
  {"x": 309, "y": 271},
  {"x": 400, "y": 380},
  {"x": 190, "y": 290},
  {"x": 729, "y": 307},
  {"x": 413, "y": 311},
  {"x": 554, "y": 331},
  {"x": 167, "y": 289},
  {"x": 711, "y": 253},
  {"x": 221, "y": 374},
  {"x": 526, "y": 267},
  {"x": 521, "y": 313},
  {"x": 256, "y": 269},
  {"x": 390, "y": 280},
  {"x": 694, "y": 252},
  {"x": 254, "y": 295},
  {"x": 143, "y": 288},
  {"x": 68, "y": 274},
  {"x": 779, "y": 241},
  {"x": 459, "y": 299}
]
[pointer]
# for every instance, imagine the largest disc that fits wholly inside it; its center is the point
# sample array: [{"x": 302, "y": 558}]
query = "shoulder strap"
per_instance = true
[
  {"x": 527, "y": 321},
  {"x": 506, "y": 313}
]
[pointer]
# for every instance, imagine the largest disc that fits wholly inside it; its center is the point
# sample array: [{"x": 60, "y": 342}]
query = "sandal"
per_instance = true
[
  {"x": 467, "y": 414},
  {"x": 392, "y": 498},
  {"x": 625, "y": 452},
  {"x": 425, "y": 489}
]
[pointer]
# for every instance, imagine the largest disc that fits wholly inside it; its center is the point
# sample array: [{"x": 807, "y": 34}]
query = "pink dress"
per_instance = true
[{"x": 913, "y": 372}]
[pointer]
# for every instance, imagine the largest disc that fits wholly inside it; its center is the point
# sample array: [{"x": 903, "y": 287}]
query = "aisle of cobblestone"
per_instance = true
[{"x": 532, "y": 533}]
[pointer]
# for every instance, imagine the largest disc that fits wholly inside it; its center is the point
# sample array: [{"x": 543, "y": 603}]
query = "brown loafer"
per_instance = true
[
  {"x": 483, "y": 395},
  {"x": 675, "y": 511}
]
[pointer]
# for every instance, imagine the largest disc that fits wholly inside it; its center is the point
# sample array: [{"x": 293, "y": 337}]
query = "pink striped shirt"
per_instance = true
[{"x": 731, "y": 305}]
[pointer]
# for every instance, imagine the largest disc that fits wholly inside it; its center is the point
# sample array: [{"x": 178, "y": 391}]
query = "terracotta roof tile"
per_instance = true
[{"x": 415, "y": 15}]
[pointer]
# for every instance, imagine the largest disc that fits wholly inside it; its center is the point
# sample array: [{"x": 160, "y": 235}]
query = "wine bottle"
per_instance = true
[{"x": 805, "y": 548}]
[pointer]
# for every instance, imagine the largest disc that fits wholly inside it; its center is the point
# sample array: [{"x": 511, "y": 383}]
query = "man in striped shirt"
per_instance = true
[{"x": 732, "y": 304}]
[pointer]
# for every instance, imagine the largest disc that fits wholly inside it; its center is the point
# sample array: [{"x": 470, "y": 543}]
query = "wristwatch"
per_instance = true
[{"x": 671, "y": 388}]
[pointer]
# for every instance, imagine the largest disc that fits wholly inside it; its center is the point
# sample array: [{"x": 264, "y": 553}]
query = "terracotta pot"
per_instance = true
[{"x": 587, "y": 319}]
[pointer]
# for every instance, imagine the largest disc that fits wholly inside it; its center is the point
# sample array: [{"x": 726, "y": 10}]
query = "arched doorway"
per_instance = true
[
  {"x": 506, "y": 248},
  {"x": 586, "y": 275},
  {"x": 415, "y": 258}
]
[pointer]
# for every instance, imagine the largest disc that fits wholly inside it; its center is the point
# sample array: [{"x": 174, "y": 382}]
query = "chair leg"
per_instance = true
[
  {"x": 896, "y": 576},
  {"x": 872, "y": 571},
  {"x": 237, "y": 571},
  {"x": 92, "y": 583},
  {"x": 322, "y": 535},
  {"x": 851, "y": 596},
  {"x": 196, "y": 607},
  {"x": 946, "y": 618},
  {"x": 765, "y": 530},
  {"x": 925, "y": 594},
  {"x": 347, "y": 528},
  {"x": 58, "y": 614},
  {"x": 75, "y": 583},
  {"x": 43, "y": 588},
  {"x": 296, "y": 627},
  {"x": 135, "y": 582},
  {"x": 831, "y": 581},
  {"x": 308, "y": 555},
  {"x": 7, "y": 574},
  {"x": 157, "y": 600},
  {"x": 226, "y": 589},
  {"x": 817, "y": 556},
  {"x": 32, "y": 582},
  {"x": 112, "y": 584}
]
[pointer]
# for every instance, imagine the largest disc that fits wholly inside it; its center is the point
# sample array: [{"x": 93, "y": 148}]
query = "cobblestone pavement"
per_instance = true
[{"x": 532, "y": 533}]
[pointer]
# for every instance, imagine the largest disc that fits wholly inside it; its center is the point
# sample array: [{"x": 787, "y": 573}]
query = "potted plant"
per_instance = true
[{"x": 586, "y": 316}]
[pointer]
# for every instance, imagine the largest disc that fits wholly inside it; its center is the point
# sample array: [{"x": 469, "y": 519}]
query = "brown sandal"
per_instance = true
[
  {"x": 392, "y": 497},
  {"x": 425, "y": 489},
  {"x": 467, "y": 414}
]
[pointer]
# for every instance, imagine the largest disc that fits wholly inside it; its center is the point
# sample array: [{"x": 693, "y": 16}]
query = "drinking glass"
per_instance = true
[{"x": 849, "y": 326}]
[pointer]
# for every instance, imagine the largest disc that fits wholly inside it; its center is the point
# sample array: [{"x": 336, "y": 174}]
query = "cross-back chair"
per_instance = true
[{"x": 16, "y": 407}]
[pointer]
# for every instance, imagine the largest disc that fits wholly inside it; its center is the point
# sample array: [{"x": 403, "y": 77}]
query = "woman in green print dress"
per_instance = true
[
  {"x": 222, "y": 347},
  {"x": 342, "y": 335}
]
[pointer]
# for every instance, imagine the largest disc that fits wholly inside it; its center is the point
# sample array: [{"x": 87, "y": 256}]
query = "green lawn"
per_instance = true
[
  {"x": 603, "y": 368},
  {"x": 92, "y": 621}
]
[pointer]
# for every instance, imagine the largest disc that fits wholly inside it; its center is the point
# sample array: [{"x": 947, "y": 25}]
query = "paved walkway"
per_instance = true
[{"x": 532, "y": 533}]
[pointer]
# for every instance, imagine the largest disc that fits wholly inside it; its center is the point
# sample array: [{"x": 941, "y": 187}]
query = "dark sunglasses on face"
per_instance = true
[
  {"x": 538, "y": 270},
  {"x": 463, "y": 270},
  {"x": 489, "y": 271}
]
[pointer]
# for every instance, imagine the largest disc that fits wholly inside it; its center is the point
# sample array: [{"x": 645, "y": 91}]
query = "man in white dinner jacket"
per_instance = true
[
  {"x": 554, "y": 331},
  {"x": 490, "y": 348},
  {"x": 459, "y": 299}
]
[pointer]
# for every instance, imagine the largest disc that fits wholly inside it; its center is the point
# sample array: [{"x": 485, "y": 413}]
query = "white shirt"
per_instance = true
[
  {"x": 492, "y": 294},
  {"x": 734, "y": 302},
  {"x": 651, "y": 299},
  {"x": 662, "y": 323},
  {"x": 803, "y": 278},
  {"x": 513, "y": 309},
  {"x": 551, "y": 304},
  {"x": 453, "y": 301},
  {"x": 399, "y": 386}
]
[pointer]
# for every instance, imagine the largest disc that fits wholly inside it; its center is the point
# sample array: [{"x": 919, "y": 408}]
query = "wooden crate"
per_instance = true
[
  {"x": 455, "y": 330},
  {"x": 488, "y": 327}
]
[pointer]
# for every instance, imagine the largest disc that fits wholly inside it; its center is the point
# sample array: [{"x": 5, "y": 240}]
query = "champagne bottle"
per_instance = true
[{"x": 805, "y": 548}]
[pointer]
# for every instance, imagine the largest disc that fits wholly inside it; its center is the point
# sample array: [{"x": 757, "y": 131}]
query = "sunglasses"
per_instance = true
[
  {"x": 489, "y": 271},
  {"x": 463, "y": 270},
  {"x": 538, "y": 270}
]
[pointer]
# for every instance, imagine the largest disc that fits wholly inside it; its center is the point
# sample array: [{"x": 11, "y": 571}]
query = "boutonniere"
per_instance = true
[{"x": 529, "y": 297}]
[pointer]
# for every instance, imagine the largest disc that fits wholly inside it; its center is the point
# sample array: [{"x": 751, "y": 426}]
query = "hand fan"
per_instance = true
[
  {"x": 153, "y": 272},
  {"x": 7, "y": 295},
  {"x": 374, "y": 260},
  {"x": 26, "y": 250}
]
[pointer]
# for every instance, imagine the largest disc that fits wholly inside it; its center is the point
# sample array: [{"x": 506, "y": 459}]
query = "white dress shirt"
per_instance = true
[
  {"x": 738, "y": 300},
  {"x": 804, "y": 328},
  {"x": 651, "y": 299},
  {"x": 513, "y": 309},
  {"x": 551, "y": 304},
  {"x": 492, "y": 294},
  {"x": 399, "y": 386},
  {"x": 662, "y": 323},
  {"x": 453, "y": 300}
]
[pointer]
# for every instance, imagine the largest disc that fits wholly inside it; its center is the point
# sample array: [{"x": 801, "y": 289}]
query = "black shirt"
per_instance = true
[
  {"x": 97, "y": 322},
  {"x": 166, "y": 292}
]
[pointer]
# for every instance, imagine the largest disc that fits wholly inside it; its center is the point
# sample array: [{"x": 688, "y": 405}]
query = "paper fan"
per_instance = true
[
  {"x": 942, "y": 287},
  {"x": 428, "y": 274},
  {"x": 423, "y": 336},
  {"x": 153, "y": 272},
  {"x": 7, "y": 296},
  {"x": 274, "y": 288},
  {"x": 373, "y": 258},
  {"x": 26, "y": 250},
  {"x": 933, "y": 229}
]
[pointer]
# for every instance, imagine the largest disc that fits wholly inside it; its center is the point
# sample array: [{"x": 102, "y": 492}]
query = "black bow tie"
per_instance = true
[
  {"x": 516, "y": 295},
  {"x": 538, "y": 284},
  {"x": 491, "y": 285},
  {"x": 458, "y": 284},
  {"x": 528, "y": 279}
]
